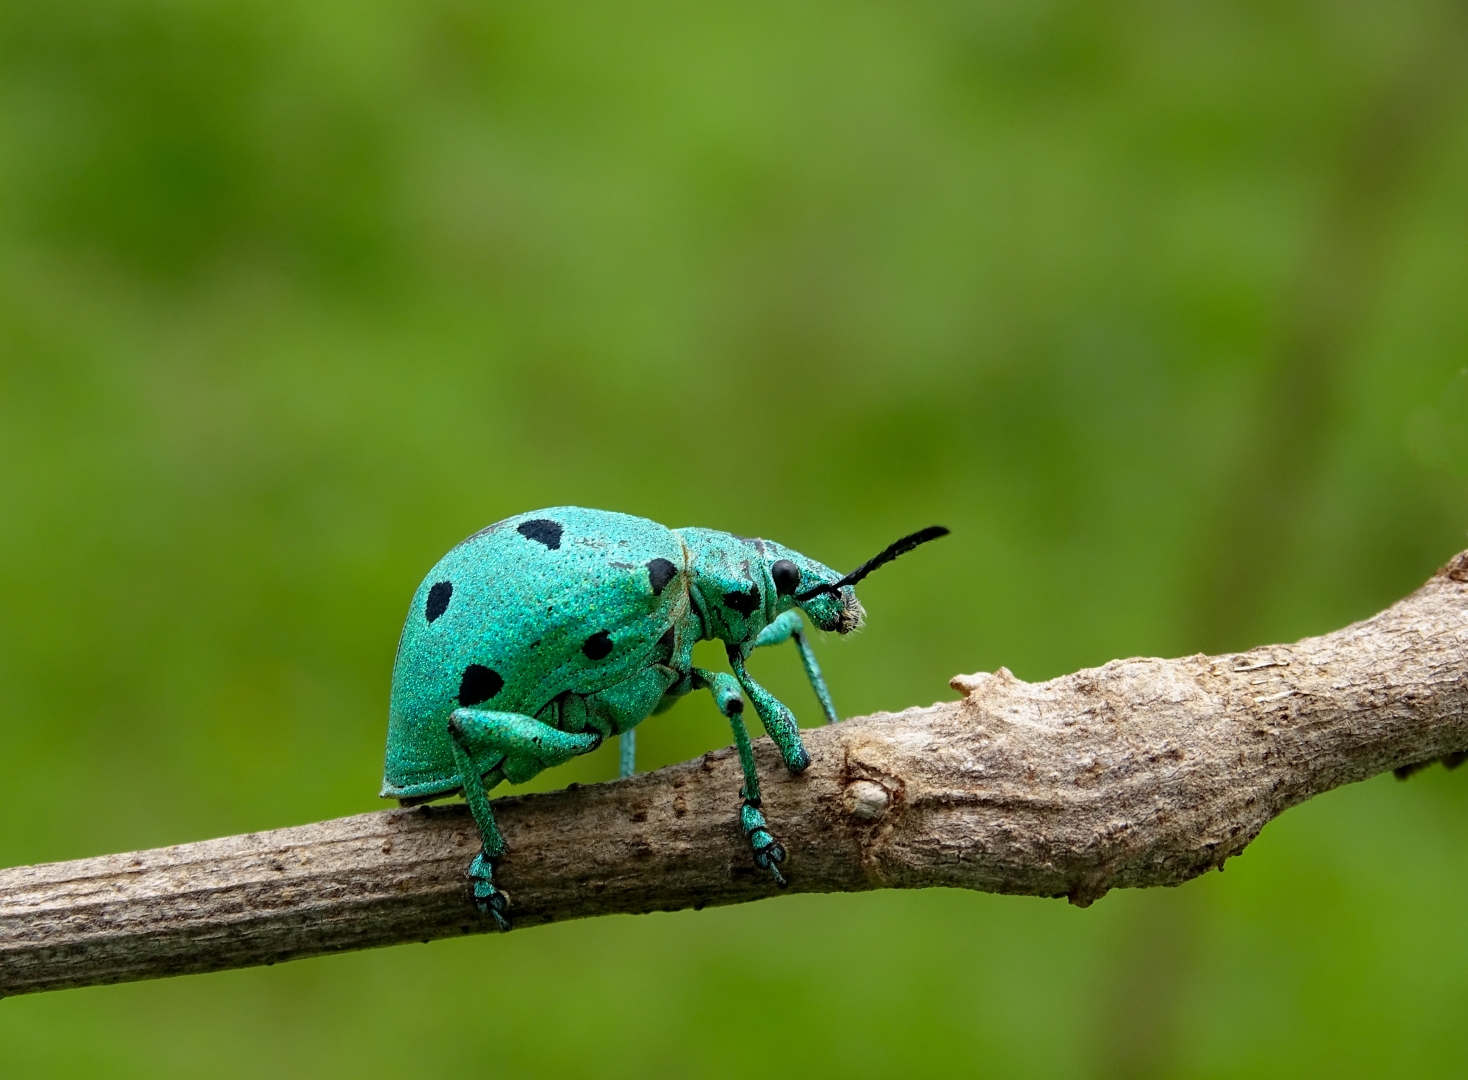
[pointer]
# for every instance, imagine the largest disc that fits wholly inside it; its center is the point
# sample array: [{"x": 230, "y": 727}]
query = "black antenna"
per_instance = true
[{"x": 887, "y": 554}]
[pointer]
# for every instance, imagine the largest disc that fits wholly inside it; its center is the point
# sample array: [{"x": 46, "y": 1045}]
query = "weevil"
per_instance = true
[{"x": 544, "y": 634}]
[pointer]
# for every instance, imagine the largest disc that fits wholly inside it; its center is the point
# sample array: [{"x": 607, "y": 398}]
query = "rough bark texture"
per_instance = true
[{"x": 1142, "y": 772}]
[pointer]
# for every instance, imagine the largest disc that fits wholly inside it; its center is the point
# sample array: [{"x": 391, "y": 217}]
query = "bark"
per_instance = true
[{"x": 1140, "y": 773}]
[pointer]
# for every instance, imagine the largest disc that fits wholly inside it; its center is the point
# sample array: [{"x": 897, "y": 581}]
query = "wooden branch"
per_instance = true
[{"x": 1139, "y": 773}]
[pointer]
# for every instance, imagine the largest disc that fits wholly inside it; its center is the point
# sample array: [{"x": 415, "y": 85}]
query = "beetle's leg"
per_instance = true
[
  {"x": 767, "y": 850},
  {"x": 521, "y": 747},
  {"x": 813, "y": 673},
  {"x": 789, "y": 626},
  {"x": 627, "y": 752},
  {"x": 778, "y": 720},
  {"x": 526, "y": 745},
  {"x": 487, "y": 898}
]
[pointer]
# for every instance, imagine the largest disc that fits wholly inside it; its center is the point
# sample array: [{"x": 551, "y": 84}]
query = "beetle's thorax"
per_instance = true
[
  {"x": 732, "y": 587},
  {"x": 725, "y": 584}
]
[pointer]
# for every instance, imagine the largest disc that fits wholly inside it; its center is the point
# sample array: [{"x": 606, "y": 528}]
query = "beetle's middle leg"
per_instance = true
[
  {"x": 789, "y": 627},
  {"x": 767, "y": 850},
  {"x": 519, "y": 747}
]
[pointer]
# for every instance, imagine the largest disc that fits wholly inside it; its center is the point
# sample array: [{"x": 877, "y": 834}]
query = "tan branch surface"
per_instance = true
[{"x": 1142, "y": 772}]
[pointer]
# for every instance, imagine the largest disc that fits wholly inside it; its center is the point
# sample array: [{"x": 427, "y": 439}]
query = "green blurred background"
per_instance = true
[{"x": 1160, "y": 307}]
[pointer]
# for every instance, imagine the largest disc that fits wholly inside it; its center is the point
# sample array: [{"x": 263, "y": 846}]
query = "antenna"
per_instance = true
[{"x": 886, "y": 555}]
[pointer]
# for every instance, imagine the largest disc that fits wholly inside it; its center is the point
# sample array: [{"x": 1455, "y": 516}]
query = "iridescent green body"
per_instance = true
[{"x": 540, "y": 636}]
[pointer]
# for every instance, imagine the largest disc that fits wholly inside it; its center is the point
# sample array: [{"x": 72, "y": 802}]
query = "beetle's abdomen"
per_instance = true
[{"x": 536, "y": 605}]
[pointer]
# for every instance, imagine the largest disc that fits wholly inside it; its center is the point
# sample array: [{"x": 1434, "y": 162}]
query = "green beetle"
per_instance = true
[{"x": 542, "y": 635}]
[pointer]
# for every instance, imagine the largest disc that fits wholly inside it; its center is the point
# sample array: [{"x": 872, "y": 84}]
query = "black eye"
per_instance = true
[{"x": 786, "y": 575}]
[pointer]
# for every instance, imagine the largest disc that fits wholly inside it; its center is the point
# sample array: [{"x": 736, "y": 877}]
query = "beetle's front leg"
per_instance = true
[
  {"x": 778, "y": 720},
  {"x": 767, "y": 850},
  {"x": 788, "y": 627},
  {"x": 520, "y": 747}
]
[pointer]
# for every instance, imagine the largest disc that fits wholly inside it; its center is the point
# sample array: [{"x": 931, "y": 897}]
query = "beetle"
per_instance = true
[{"x": 546, "y": 633}]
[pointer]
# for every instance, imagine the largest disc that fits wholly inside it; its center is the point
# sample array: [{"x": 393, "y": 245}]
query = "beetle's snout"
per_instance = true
[{"x": 852, "y": 614}]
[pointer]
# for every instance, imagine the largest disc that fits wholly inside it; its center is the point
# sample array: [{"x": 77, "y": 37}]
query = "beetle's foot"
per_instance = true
[
  {"x": 767, "y": 850},
  {"x": 489, "y": 899}
]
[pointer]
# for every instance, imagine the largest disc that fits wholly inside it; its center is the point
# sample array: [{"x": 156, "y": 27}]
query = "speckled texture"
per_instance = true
[{"x": 545, "y": 633}]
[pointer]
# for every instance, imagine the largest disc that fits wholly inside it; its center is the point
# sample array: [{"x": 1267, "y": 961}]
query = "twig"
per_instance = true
[{"x": 1139, "y": 773}]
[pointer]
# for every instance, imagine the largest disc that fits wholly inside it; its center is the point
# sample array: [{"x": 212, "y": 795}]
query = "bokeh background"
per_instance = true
[{"x": 1160, "y": 307}]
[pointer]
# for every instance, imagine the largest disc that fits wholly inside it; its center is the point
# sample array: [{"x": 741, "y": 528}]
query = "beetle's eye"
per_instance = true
[{"x": 786, "y": 575}]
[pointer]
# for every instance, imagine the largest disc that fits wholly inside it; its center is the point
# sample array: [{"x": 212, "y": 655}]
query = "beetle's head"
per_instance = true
[
  {"x": 788, "y": 573},
  {"x": 745, "y": 583}
]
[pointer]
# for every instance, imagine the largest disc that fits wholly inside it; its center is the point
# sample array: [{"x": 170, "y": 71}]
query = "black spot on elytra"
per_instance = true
[
  {"x": 598, "y": 646},
  {"x": 479, "y": 684},
  {"x": 543, "y": 531},
  {"x": 659, "y": 573},
  {"x": 742, "y": 602},
  {"x": 438, "y": 600},
  {"x": 786, "y": 576}
]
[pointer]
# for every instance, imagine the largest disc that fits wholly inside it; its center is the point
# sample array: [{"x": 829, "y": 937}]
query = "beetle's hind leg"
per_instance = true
[
  {"x": 789, "y": 627},
  {"x": 521, "y": 747},
  {"x": 767, "y": 850},
  {"x": 487, "y": 897}
]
